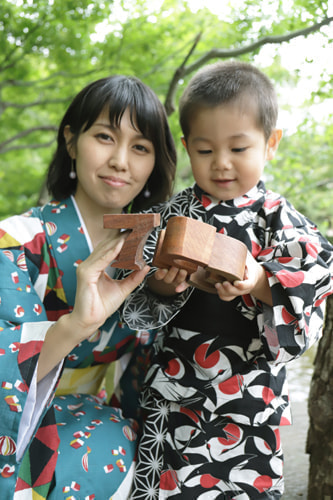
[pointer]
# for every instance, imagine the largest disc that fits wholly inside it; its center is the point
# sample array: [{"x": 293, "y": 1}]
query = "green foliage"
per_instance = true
[
  {"x": 303, "y": 172},
  {"x": 50, "y": 49},
  {"x": 21, "y": 178}
]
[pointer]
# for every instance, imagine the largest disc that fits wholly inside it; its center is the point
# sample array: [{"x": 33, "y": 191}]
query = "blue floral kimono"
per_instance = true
[{"x": 57, "y": 438}]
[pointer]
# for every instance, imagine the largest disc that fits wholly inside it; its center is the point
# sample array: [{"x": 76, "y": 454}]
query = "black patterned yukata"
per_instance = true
[{"x": 216, "y": 392}]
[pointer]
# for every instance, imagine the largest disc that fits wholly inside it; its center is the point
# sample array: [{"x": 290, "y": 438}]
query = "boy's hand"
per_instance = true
[
  {"x": 168, "y": 281},
  {"x": 255, "y": 282}
]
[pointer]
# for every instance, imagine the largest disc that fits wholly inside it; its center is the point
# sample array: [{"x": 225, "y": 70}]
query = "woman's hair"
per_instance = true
[
  {"x": 117, "y": 94},
  {"x": 225, "y": 82}
]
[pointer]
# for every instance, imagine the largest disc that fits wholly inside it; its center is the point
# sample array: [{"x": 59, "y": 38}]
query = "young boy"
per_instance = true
[{"x": 216, "y": 392}]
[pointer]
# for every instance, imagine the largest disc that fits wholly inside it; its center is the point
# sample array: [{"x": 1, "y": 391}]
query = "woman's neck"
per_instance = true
[
  {"x": 93, "y": 220},
  {"x": 98, "y": 233}
]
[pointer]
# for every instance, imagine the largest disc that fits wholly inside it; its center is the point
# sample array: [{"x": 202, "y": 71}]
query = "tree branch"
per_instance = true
[
  {"x": 4, "y": 105},
  {"x": 63, "y": 74},
  {"x": 28, "y": 146},
  {"x": 170, "y": 97},
  {"x": 183, "y": 71},
  {"x": 24, "y": 133}
]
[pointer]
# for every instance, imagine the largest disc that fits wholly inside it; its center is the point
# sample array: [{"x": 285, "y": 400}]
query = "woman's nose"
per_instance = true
[{"x": 119, "y": 158}]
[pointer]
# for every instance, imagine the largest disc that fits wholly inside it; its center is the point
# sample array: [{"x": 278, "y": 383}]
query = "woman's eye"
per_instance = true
[
  {"x": 104, "y": 137},
  {"x": 141, "y": 147}
]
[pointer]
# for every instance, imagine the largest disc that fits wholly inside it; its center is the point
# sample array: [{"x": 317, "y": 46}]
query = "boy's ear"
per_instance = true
[
  {"x": 68, "y": 139},
  {"x": 273, "y": 143},
  {"x": 184, "y": 142}
]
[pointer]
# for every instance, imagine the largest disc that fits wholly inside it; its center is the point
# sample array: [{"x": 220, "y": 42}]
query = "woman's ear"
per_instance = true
[
  {"x": 68, "y": 134},
  {"x": 273, "y": 143}
]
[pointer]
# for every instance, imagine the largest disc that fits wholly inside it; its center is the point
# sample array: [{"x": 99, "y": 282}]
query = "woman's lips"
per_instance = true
[{"x": 114, "y": 181}]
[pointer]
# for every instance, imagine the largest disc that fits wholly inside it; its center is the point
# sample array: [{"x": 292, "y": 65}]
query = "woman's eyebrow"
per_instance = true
[
  {"x": 138, "y": 135},
  {"x": 104, "y": 124}
]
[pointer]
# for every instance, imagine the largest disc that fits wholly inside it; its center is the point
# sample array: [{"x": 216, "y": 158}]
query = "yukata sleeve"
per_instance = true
[
  {"x": 298, "y": 262},
  {"x": 143, "y": 309},
  {"x": 23, "y": 326}
]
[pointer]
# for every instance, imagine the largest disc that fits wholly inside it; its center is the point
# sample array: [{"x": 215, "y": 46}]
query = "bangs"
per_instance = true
[
  {"x": 115, "y": 98},
  {"x": 146, "y": 117}
]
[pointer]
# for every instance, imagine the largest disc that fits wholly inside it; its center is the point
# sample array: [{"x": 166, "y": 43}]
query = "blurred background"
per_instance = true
[{"x": 50, "y": 49}]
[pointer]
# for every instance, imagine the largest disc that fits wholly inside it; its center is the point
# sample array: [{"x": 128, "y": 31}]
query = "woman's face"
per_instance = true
[{"x": 112, "y": 164}]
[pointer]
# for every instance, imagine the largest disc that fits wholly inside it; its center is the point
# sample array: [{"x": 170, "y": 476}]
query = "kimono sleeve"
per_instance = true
[
  {"x": 144, "y": 310},
  {"x": 298, "y": 263},
  {"x": 23, "y": 325}
]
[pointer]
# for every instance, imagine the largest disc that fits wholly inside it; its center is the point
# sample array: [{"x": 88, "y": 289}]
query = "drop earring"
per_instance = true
[
  {"x": 72, "y": 173},
  {"x": 146, "y": 192}
]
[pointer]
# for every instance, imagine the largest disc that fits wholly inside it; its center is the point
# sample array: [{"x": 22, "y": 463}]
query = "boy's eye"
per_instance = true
[
  {"x": 238, "y": 150},
  {"x": 204, "y": 151}
]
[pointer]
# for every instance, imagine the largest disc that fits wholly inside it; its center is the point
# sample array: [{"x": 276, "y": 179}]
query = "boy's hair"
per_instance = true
[
  {"x": 225, "y": 82},
  {"x": 117, "y": 94}
]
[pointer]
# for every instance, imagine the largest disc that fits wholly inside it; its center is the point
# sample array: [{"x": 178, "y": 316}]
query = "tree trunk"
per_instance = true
[{"x": 320, "y": 434}]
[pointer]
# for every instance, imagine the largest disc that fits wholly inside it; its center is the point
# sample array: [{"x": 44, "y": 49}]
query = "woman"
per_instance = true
[{"x": 57, "y": 439}]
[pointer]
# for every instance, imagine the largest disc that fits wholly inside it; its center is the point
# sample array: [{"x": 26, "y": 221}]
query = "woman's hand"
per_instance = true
[{"x": 97, "y": 297}]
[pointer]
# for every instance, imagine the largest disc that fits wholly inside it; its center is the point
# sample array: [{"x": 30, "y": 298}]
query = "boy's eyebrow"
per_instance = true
[
  {"x": 243, "y": 135},
  {"x": 235, "y": 136}
]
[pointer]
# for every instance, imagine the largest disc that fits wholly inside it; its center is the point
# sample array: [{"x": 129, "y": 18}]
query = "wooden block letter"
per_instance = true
[
  {"x": 228, "y": 259},
  {"x": 141, "y": 225},
  {"x": 227, "y": 262},
  {"x": 186, "y": 243}
]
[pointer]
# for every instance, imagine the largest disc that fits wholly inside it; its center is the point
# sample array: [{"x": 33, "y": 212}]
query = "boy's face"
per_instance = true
[{"x": 227, "y": 150}]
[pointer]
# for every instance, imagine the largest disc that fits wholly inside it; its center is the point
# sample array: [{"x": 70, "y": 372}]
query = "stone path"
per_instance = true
[{"x": 296, "y": 464}]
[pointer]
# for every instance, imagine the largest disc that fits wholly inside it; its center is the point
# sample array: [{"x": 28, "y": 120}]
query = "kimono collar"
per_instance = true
[
  {"x": 251, "y": 200},
  {"x": 68, "y": 242}
]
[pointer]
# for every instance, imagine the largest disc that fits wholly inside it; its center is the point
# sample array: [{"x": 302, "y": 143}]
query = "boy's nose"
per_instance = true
[{"x": 222, "y": 161}]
